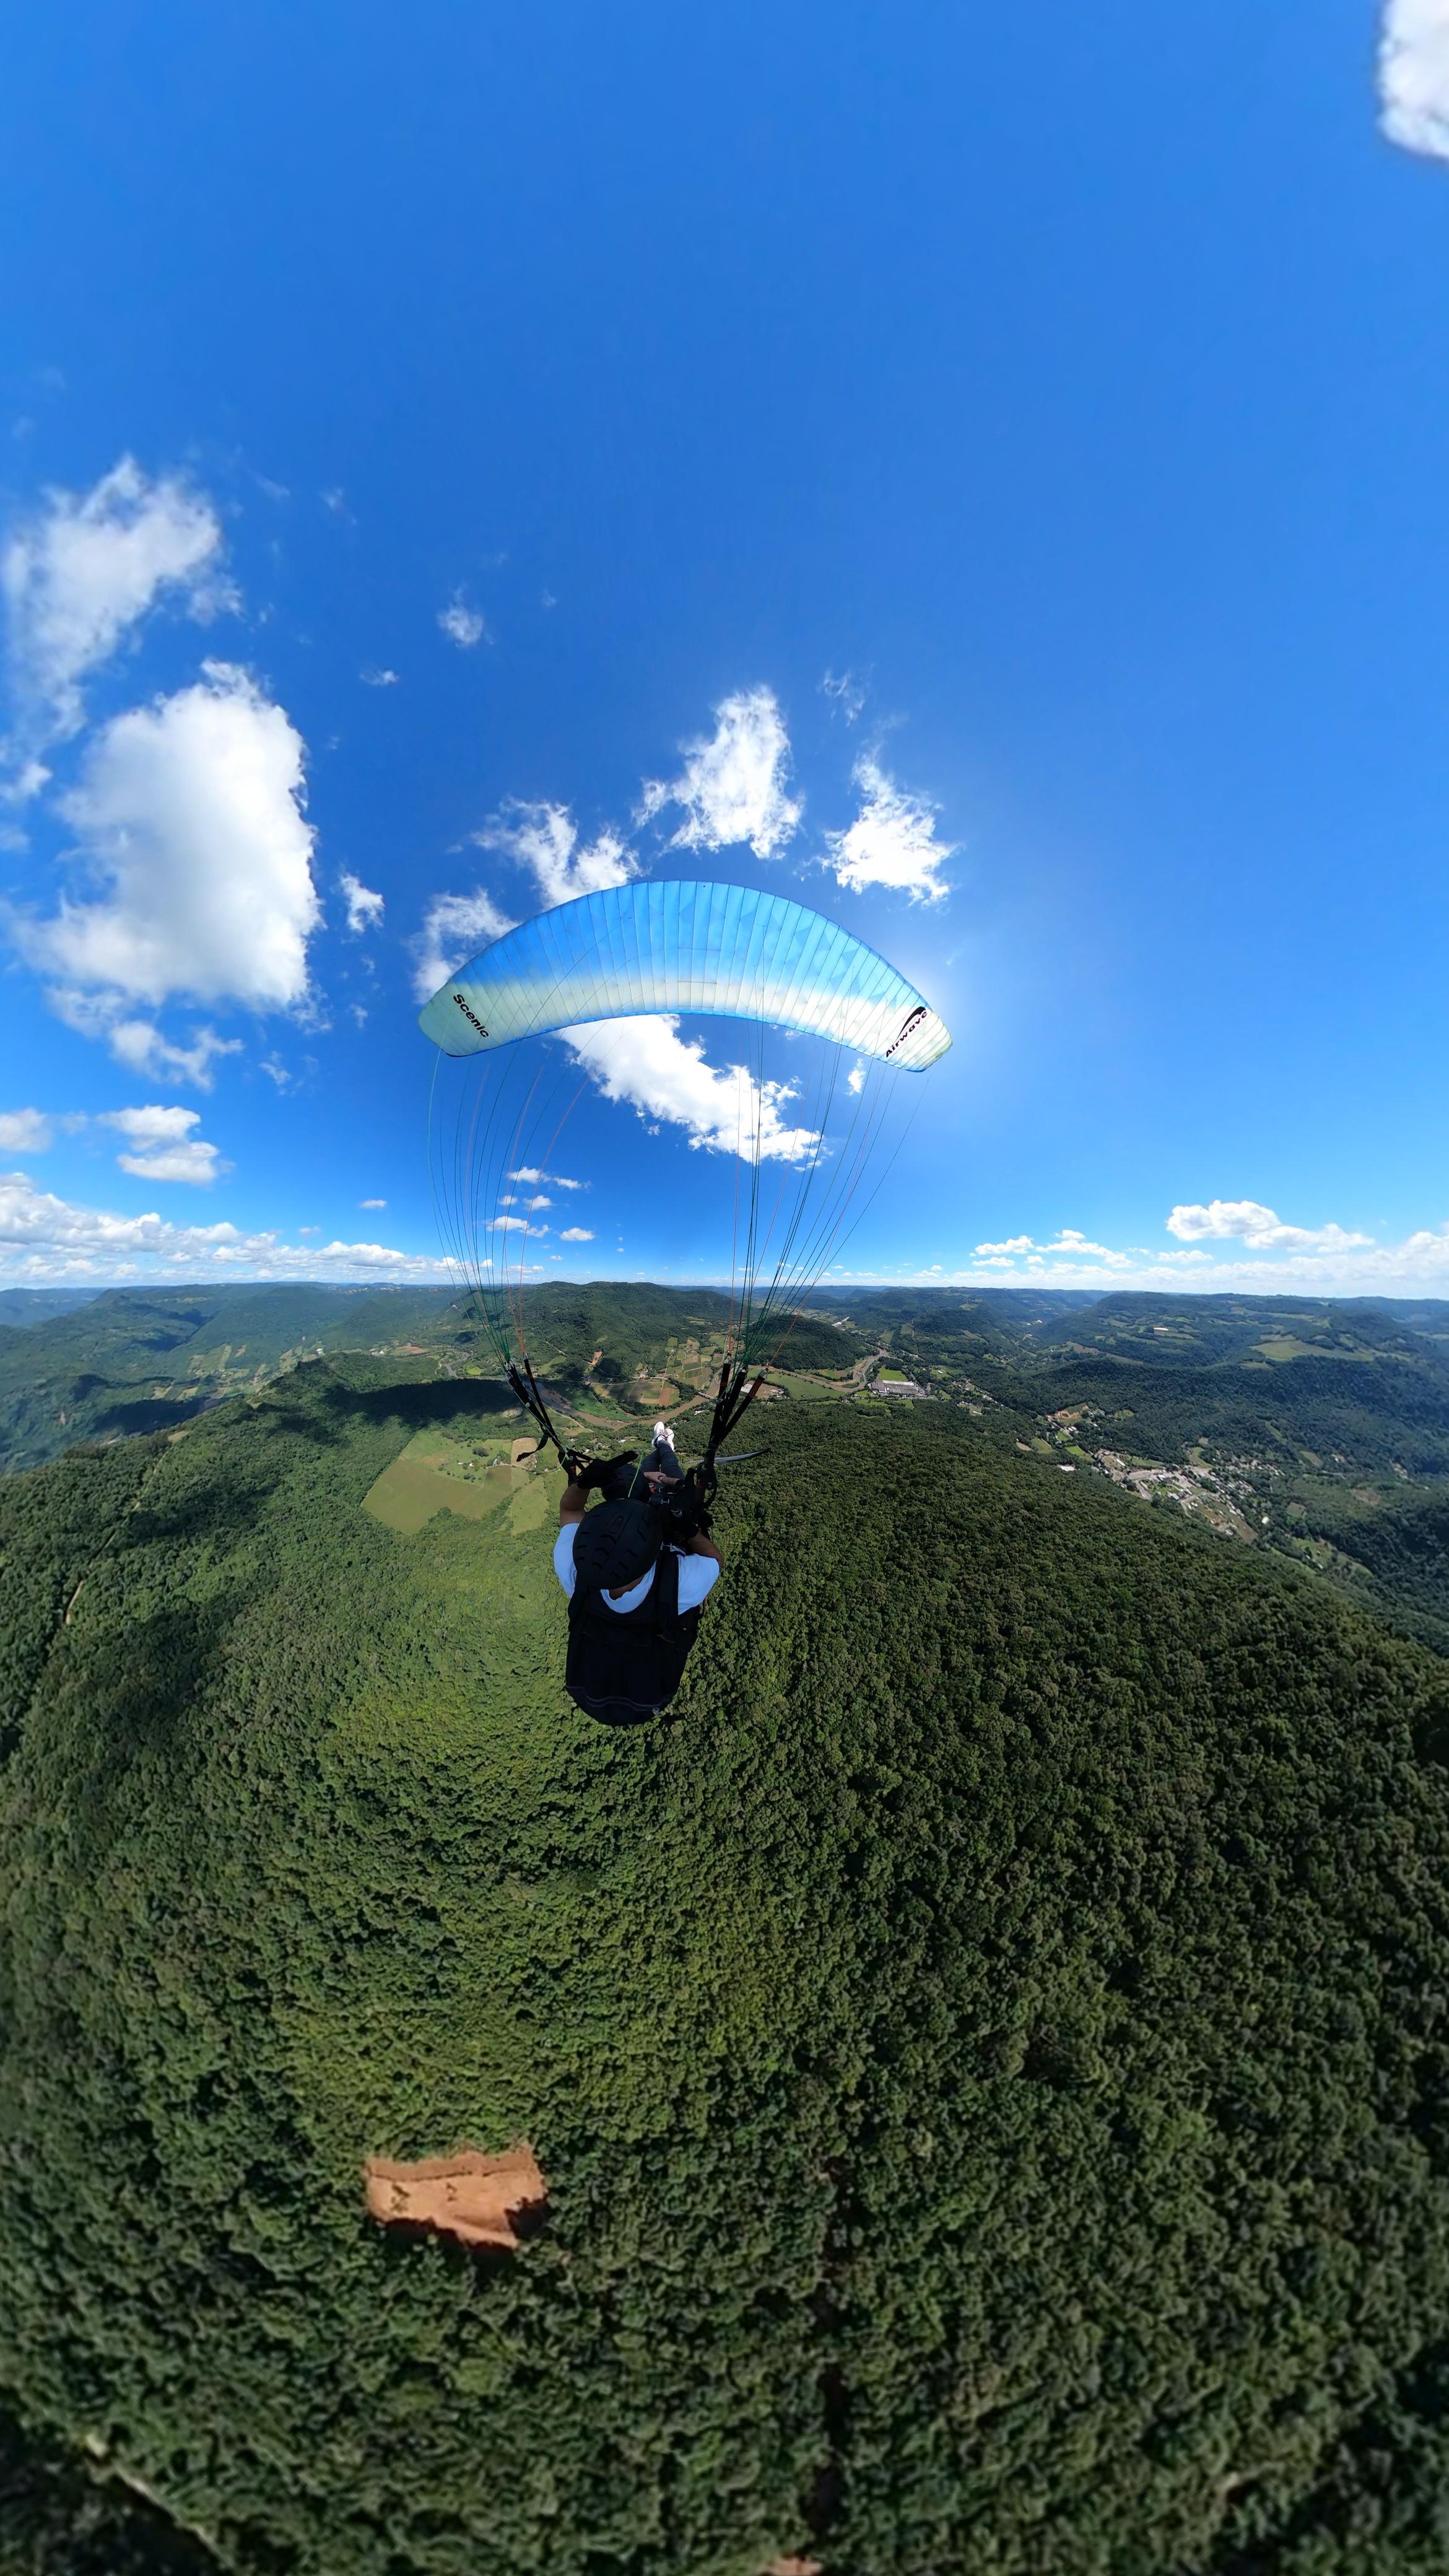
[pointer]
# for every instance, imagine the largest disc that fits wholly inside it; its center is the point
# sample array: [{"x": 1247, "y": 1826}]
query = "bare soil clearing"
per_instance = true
[{"x": 473, "y": 2197}]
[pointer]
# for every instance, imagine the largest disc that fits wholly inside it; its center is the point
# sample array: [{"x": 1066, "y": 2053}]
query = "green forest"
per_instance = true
[{"x": 989, "y": 2055}]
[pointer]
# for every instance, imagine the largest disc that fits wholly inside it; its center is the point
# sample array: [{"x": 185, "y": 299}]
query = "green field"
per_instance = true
[
  {"x": 435, "y": 1474},
  {"x": 1286, "y": 1346}
]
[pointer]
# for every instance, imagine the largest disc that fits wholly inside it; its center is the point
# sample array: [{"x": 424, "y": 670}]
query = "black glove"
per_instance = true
[
  {"x": 599, "y": 1470},
  {"x": 684, "y": 1510}
]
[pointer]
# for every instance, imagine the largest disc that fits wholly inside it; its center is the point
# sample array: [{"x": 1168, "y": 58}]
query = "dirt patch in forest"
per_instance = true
[{"x": 482, "y": 2200}]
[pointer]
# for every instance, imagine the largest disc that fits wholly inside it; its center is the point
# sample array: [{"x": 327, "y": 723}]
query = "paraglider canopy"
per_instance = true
[
  {"x": 717, "y": 951},
  {"x": 670, "y": 949}
]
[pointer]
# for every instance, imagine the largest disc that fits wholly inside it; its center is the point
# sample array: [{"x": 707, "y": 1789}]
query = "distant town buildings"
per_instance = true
[{"x": 897, "y": 1386}]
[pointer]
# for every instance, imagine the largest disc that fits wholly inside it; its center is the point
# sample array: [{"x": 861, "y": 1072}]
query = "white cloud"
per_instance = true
[
  {"x": 1070, "y": 1242},
  {"x": 25, "y": 1131},
  {"x": 544, "y": 839},
  {"x": 84, "y": 571},
  {"x": 196, "y": 1163},
  {"x": 462, "y": 625},
  {"x": 1414, "y": 75},
  {"x": 191, "y": 830},
  {"x": 27, "y": 781},
  {"x": 163, "y": 1147},
  {"x": 47, "y": 1238},
  {"x": 1245, "y": 1221},
  {"x": 373, "y": 678},
  {"x": 372, "y": 1203},
  {"x": 847, "y": 691},
  {"x": 538, "y": 1202},
  {"x": 139, "y": 1044},
  {"x": 646, "y": 1062},
  {"x": 733, "y": 787},
  {"x": 892, "y": 841},
  {"x": 576, "y": 1234},
  {"x": 555, "y": 1180},
  {"x": 517, "y": 1225},
  {"x": 1419, "y": 1266},
  {"x": 455, "y": 927},
  {"x": 364, "y": 908},
  {"x": 1277, "y": 1258}
]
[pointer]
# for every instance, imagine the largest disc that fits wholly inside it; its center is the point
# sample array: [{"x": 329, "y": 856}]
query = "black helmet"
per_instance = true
[{"x": 616, "y": 1543}]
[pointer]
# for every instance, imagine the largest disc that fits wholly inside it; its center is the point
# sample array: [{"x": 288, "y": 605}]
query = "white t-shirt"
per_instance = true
[{"x": 697, "y": 1575}]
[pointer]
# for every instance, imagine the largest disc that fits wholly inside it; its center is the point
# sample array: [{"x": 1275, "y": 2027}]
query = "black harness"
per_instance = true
[{"x": 625, "y": 1665}]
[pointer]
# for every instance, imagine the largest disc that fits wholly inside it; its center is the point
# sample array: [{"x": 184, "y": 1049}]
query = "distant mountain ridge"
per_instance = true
[{"x": 1317, "y": 1428}]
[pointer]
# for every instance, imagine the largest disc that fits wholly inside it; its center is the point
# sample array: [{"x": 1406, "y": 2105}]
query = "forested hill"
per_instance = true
[
  {"x": 989, "y": 2057},
  {"x": 131, "y": 1361},
  {"x": 1314, "y": 1428}
]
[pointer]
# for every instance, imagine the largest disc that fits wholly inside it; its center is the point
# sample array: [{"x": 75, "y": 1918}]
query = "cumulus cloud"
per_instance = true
[
  {"x": 462, "y": 625},
  {"x": 545, "y": 839},
  {"x": 374, "y": 678},
  {"x": 23, "y": 783},
  {"x": 364, "y": 908},
  {"x": 1069, "y": 1243},
  {"x": 140, "y": 1046},
  {"x": 1350, "y": 1267},
  {"x": 455, "y": 927},
  {"x": 162, "y": 1146},
  {"x": 555, "y": 1180},
  {"x": 1273, "y": 1257},
  {"x": 372, "y": 1203},
  {"x": 25, "y": 1131},
  {"x": 733, "y": 787},
  {"x": 189, "y": 813},
  {"x": 43, "y": 1238},
  {"x": 576, "y": 1234},
  {"x": 81, "y": 574},
  {"x": 646, "y": 1062},
  {"x": 1414, "y": 75},
  {"x": 892, "y": 841},
  {"x": 1245, "y": 1221}
]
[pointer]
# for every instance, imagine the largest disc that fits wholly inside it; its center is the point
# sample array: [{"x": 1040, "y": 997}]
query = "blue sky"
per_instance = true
[{"x": 985, "y": 467}]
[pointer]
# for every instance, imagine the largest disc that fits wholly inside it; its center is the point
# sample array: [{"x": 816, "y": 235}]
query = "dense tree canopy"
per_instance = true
[{"x": 989, "y": 2056}]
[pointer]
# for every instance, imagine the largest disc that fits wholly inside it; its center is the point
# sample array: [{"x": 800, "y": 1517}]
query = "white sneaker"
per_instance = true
[{"x": 662, "y": 1431}]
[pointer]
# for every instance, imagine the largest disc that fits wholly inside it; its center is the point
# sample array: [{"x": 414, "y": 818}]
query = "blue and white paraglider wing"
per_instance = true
[{"x": 719, "y": 951}]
